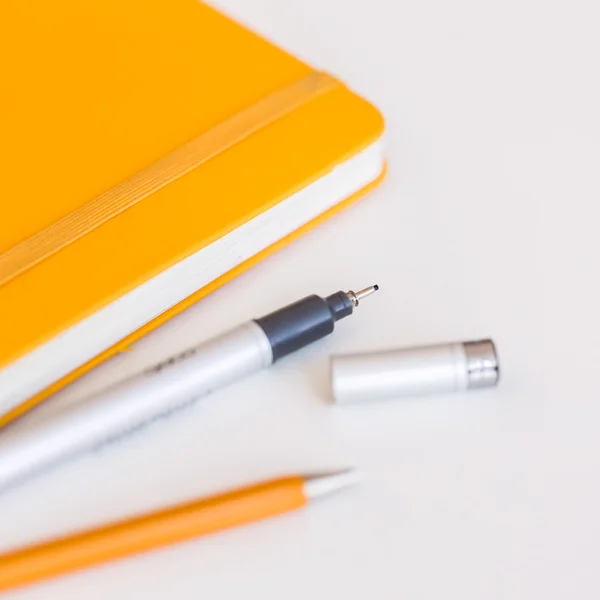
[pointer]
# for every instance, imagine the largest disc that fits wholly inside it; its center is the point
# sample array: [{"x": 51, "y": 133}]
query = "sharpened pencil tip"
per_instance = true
[{"x": 324, "y": 484}]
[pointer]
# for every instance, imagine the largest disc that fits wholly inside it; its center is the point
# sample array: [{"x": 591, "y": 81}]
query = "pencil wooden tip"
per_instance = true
[{"x": 323, "y": 484}]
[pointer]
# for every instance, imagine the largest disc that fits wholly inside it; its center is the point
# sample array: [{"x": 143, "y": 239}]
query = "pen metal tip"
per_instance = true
[
  {"x": 323, "y": 484},
  {"x": 356, "y": 297}
]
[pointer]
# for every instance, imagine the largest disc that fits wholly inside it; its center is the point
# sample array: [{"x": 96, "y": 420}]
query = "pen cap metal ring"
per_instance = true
[{"x": 396, "y": 373}]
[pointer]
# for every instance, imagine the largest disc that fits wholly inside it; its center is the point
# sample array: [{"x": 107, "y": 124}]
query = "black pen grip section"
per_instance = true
[{"x": 301, "y": 323}]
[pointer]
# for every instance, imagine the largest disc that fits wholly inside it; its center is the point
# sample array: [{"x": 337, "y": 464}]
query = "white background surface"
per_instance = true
[{"x": 486, "y": 226}]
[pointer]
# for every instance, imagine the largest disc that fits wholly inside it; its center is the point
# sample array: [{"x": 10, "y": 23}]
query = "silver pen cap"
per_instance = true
[
  {"x": 483, "y": 369},
  {"x": 422, "y": 370}
]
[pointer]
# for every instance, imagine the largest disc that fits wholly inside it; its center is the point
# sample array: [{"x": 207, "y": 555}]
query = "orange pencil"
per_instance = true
[{"x": 169, "y": 526}]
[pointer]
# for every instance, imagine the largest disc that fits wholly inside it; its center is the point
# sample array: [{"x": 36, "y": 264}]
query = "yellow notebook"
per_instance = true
[{"x": 151, "y": 151}]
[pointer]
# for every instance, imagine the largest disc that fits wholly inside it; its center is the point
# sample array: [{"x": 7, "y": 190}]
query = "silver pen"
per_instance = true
[{"x": 172, "y": 384}]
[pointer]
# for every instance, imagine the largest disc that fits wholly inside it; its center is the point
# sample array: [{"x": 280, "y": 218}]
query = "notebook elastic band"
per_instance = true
[{"x": 91, "y": 215}]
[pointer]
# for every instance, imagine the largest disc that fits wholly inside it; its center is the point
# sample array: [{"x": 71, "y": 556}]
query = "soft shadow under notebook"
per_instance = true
[{"x": 151, "y": 151}]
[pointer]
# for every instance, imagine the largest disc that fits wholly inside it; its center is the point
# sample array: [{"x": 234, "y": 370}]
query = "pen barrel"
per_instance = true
[
  {"x": 136, "y": 401},
  {"x": 150, "y": 531}
]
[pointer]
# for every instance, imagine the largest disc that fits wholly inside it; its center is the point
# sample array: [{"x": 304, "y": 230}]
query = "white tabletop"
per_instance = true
[{"x": 486, "y": 226}]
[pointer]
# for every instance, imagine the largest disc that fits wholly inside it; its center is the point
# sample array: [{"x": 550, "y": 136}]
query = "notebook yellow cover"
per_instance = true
[{"x": 100, "y": 98}]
